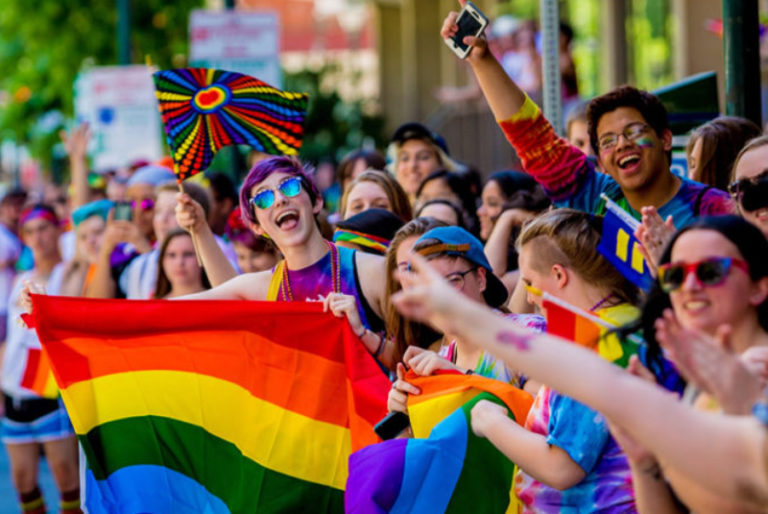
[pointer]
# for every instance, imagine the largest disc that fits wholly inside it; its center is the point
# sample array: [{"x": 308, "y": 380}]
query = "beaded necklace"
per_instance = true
[
  {"x": 285, "y": 284},
  {"x": 601, "y": 303}
]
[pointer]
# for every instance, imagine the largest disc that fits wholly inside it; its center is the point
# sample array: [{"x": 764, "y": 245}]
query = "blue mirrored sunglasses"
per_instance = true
[{"x": 289, "y": 188}]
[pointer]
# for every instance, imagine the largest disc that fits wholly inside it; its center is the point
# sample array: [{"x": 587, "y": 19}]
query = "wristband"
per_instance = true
[
  {"x": 470, "y": 372},
  {"x": 382, "y": 345}
]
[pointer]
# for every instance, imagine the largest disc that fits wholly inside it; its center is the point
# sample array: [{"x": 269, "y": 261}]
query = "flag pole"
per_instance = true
[{"x": 192, "y": 228}]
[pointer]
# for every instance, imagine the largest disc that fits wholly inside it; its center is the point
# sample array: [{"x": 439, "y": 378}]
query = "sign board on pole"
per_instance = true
[
  {"x": 119, "y": 104},
  {"x": 242, "y": 41}
]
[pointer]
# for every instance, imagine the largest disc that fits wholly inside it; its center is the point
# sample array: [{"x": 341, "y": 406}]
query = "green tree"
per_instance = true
[
  {"x": 43, "y": 45},
  {"x": 333, "y": 127}
]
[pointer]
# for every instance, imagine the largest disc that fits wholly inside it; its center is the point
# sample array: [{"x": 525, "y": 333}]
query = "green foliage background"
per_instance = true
[
  {"x": 648, "y": 30},
  {"x": 44, "y": 44}
]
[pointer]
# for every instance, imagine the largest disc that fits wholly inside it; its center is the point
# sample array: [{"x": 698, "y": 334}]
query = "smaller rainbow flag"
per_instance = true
[
  {"x": 445, "y": 468},
  {"x": 38, "y": 375},
  {"x": 590, "y": 330}
]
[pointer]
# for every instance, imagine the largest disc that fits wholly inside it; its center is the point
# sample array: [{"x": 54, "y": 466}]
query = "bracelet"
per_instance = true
[
  {"x": 469, "y": 372},
  {"x": 362, "y": 334},
  {"x": 382, "y": 345}
]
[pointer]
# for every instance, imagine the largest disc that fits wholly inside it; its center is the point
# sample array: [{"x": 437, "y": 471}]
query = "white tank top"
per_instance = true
[{"x": 21, "y": 339}]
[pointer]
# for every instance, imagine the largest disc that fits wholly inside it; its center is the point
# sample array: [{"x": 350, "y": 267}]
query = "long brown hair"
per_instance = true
[
  {"x": 721, "y": 140},
  {"x": 404, "y": 332},
  {"x": 570, "y": 238},
  {"x": 163, "y": 285}
]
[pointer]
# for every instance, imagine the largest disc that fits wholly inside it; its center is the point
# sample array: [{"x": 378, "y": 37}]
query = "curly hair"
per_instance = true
[{"x": 647, "y": 104}]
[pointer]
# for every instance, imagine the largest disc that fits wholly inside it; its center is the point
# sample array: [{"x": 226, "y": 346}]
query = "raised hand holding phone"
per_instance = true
[{"x": 470, "y": 22}]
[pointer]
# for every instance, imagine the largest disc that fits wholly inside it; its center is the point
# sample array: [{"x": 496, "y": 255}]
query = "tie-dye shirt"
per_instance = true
[
  {"x": 570, "y": 179},
  {"x": 583, "y": 434},
  {"x": 307, "y": 284}
]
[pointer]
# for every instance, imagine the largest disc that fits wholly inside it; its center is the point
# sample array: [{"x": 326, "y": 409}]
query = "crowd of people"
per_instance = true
[{"x": 437, "y": 270}]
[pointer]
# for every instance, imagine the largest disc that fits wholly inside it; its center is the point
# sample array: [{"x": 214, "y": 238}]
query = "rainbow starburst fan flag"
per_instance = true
[
  {"x": 445, "y": 467},
  {"x": 203, "y": 406},
  {"x": 205, "y": 109}
]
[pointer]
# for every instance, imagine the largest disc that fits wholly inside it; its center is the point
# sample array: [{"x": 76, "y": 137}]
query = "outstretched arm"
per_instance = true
[{"x": 735, "y": 467}]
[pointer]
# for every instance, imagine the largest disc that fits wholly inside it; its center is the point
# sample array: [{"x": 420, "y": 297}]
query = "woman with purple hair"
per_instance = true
[{"x": 279, "y": 201}]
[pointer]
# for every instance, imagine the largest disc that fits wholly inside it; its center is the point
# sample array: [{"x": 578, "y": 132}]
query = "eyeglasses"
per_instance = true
[
  {"x": 289, "y": 188},
  {"x": 631, "y": 132},
  {"x": 711, "y": 272},
  {"x": 145, "y": 204},
  {"x": 750, "y": 193},
  {"x": 456, "y": 279}
]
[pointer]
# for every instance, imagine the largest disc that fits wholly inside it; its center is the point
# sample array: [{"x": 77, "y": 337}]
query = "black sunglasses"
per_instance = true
[{"x": 751, "y": 193}]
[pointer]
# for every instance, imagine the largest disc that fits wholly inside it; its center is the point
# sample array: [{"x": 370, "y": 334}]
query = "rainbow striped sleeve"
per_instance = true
[
  {"x": 558, "y": 166},
  {"x": 202, "y": 406}
]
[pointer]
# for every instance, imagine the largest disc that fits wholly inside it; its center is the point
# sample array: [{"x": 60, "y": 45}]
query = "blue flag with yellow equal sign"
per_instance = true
[{"x": 620, "y": 246}]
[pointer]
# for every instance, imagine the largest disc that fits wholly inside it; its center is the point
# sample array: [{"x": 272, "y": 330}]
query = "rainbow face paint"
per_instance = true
[{"x": 644, "y": 142}]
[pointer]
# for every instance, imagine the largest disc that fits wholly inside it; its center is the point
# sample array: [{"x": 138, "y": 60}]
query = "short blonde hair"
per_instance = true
[{"x": 570, "y": 238}]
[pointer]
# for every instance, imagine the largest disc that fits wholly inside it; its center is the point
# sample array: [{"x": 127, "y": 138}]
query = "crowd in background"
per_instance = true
[{"x": 598, "y": 439}]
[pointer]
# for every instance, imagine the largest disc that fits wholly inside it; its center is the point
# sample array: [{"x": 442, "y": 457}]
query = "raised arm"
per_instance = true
[
  {"x": 557, "y": 165},
  {"x": 191, "y": 217},
  {"x": 735, "y": 467},
  {"x": 76, "y": 145},
  {"x": 504, "y": 96}
]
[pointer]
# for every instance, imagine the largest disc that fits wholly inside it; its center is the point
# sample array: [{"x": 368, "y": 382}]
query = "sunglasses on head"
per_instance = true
[
  {"x": 145, "y": 204},
  {"x": 710, "y": 272},
  {"x": 289, "y": 188},
  {"x": 751, "y": 193}
]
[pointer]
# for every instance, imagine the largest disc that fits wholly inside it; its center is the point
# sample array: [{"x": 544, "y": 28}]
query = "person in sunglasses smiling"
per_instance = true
[
  {"x": 712, "y": 280},
  {"x": 749, "y": 187},
  {"x": 279, "y": 201}
]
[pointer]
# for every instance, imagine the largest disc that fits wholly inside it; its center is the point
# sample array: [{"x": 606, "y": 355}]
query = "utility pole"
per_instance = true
[
  {"x": 553, "y": 91},
  {"x": 124, "y": 32},
  {"x": 741, "y": 41}
]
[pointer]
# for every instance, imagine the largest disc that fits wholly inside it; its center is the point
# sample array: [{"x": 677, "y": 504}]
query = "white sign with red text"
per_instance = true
[{"x": 246, "y": 42}]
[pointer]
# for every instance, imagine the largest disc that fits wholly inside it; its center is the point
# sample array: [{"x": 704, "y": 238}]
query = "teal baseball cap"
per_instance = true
[{"x": 458, "y": 242}]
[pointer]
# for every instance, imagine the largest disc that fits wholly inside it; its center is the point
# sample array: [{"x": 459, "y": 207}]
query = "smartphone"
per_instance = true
[
  {"x": 391, "y": 425},
  {"x": 471, "y": 22},
  {"x": 123, "y": 211}
]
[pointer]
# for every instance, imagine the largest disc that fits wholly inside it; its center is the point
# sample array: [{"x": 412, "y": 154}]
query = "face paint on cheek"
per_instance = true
[
  {"x": 644, "y": 142},
  {"x": 519, "y": 341}
]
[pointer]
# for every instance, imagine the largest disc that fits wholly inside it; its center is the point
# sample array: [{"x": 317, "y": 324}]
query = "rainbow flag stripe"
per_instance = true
[
  {"x": 451, "y": 470},
  {"x": 177, "y": 414},
  {"x": 367, "y": 240},
  {"x": 38, "y": 376}
]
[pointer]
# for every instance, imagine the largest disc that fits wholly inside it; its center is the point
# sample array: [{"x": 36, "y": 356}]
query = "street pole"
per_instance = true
[
  {"x": 236, "y": 162},
  {"x": 741, "y": 41},
  {"x": 553, "y": 92},
  {"x": 123, "y": 32}
]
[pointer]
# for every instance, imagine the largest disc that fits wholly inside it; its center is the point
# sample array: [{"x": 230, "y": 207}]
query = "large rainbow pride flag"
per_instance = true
[
  {"x": 203, "y": 406},
  {"x": 445, "y": 467}
]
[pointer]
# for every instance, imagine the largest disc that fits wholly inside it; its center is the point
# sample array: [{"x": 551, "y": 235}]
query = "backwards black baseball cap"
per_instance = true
[{"x": 413, "y": 130}]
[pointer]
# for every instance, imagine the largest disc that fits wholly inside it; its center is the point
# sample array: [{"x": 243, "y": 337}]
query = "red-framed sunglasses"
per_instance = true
[{"x": 709, "y": 272}]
